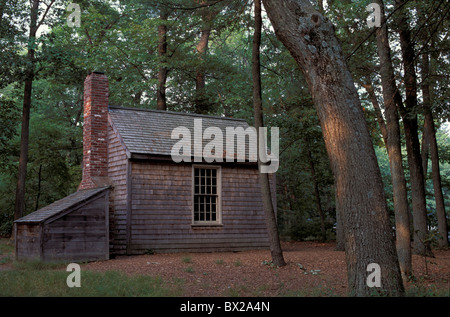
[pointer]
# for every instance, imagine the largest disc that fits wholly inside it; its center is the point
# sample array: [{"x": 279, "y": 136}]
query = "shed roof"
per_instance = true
[
  {"x": 61, "y": 205},
  {"x": 145, "y": 131}
]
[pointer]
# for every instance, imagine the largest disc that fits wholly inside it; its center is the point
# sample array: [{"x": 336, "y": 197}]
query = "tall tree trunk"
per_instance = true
[
  {"x": 410, "y": 125},
  {"x": 436, "y": 176},
  {"x": 430, "y": 132},
  {"x": 271, "y": 221},
  {"x": 137, "y": 98},
  {"x": 393, "y": 145},
  {"x": 425, "y": 151},
  {"x": 25, "y": 131},
  {"x": 379, "y": 115},
  {"x": 317, "y": 196},
  {"x": 38, "y": 195},
  {"x": 360, "y": 198},
  {"x": 201, "y": 100},
  {"x": 162, "y": 53},
  {"x": 202, "y": 104},
  {"x": 2, "y": 8}
]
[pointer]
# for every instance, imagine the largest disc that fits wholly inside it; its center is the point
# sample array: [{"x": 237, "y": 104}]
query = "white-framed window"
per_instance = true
[{"x": 206, "y": 195}]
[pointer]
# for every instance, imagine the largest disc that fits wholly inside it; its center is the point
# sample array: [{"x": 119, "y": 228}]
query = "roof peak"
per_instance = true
[{"x": 176, "y": 113}]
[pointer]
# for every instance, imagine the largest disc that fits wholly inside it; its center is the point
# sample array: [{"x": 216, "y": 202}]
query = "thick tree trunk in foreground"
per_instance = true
[
  {"x": 311, "y": 40},
  {"x": 393, "y": 145},
  {"x": 340, "y": 238},
  {"x": 421, "y": 246},
  {"x": 271, "y": 221}
]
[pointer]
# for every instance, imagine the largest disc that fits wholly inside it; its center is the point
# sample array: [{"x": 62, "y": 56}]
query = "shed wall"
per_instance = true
[
  {"x": 28, "y": 240},
  {"x": 81, "y": 234}
]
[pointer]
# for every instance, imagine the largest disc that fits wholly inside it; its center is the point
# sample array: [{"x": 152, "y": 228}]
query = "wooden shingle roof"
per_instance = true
[
  {"x": 145, "y": 131},
  {"x": 61, "y": 205}
]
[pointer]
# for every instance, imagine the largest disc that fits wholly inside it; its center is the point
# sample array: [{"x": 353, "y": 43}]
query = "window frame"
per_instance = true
[{"x": 207, "y": 223}]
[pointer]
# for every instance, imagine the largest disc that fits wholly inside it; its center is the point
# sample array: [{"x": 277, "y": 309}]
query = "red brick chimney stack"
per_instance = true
[{"x": 95, "y": 131}]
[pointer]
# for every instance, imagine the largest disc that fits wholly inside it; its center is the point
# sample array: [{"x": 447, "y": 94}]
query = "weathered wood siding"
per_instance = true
[
  {"x": 80, "y": 234},
  {"x": 161, "y": 210},
  {"x": 28, "y": 241},
  {"x": 117, "y": 172}
]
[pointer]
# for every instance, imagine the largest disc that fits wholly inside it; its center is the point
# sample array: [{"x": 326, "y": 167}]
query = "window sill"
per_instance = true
[{"x": 206, "y": 225}]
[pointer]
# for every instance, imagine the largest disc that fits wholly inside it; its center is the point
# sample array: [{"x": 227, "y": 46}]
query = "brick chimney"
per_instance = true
[{"x": 95, "y": 132}]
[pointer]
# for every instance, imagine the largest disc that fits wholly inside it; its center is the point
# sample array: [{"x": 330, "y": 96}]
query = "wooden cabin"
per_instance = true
[{"x": 155, "y": 204}]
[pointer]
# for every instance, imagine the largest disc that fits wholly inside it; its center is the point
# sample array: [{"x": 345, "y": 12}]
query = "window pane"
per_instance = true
[
  {"x": 213, "y": 208},
  {"x": 196, "y": 208},
  {"x": 208, "y": 183},
  {"x": 214, "y": 182},
  {"x": 204, "y": 181},
  {"x": 207, "y": 208}
]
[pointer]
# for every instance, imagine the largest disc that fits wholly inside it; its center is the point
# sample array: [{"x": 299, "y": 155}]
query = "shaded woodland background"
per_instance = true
[{"x": 195, "y": 56}]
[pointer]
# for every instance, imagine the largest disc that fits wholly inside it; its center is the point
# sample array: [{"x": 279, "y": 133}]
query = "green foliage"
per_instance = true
[{"x": 120, "y": 38}]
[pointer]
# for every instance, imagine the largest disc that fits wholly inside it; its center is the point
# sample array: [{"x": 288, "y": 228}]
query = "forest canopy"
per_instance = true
[{"x": 195, "y": 56}]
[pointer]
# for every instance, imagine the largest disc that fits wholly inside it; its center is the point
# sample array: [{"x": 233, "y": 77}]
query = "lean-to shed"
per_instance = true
[{"x": 74, "y": 228}]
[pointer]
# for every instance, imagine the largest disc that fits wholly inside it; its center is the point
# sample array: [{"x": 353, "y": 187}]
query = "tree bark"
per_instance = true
[
  {"x": 340, "y": 237},
  {"x": 360, "y": 198},
  {"x": 425, "y": 151},
  {"x": 2, "y": 8},
  {"x": 25, "y": 130},
  {"x": 410, "y": 125},
  {"x": 161, "y": 103},
  {"x": 393, "y": 145},
  {"x": 317, "y": 196},
  {"x": 38, "y": 195},
  {"x": 321, "y": 8},
  {"x": 430, "y": 132},
  {"x": 379, "y": 115},
  {"x": 202, "y": 104},
  {"x": 275, "y": 246},
  {"x": 201, "y": 101}
]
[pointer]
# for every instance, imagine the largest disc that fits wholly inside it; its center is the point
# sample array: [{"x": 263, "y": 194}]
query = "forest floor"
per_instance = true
[{"x": 313, "y": 269}]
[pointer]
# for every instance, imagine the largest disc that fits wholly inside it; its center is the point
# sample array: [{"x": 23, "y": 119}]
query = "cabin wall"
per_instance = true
[
  {"x": 117, "y": 173},
  {"x": 161, "y": 210}
]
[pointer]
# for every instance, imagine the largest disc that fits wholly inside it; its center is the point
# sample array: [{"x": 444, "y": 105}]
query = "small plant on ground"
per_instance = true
[{"x": 269, "y": 263}]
